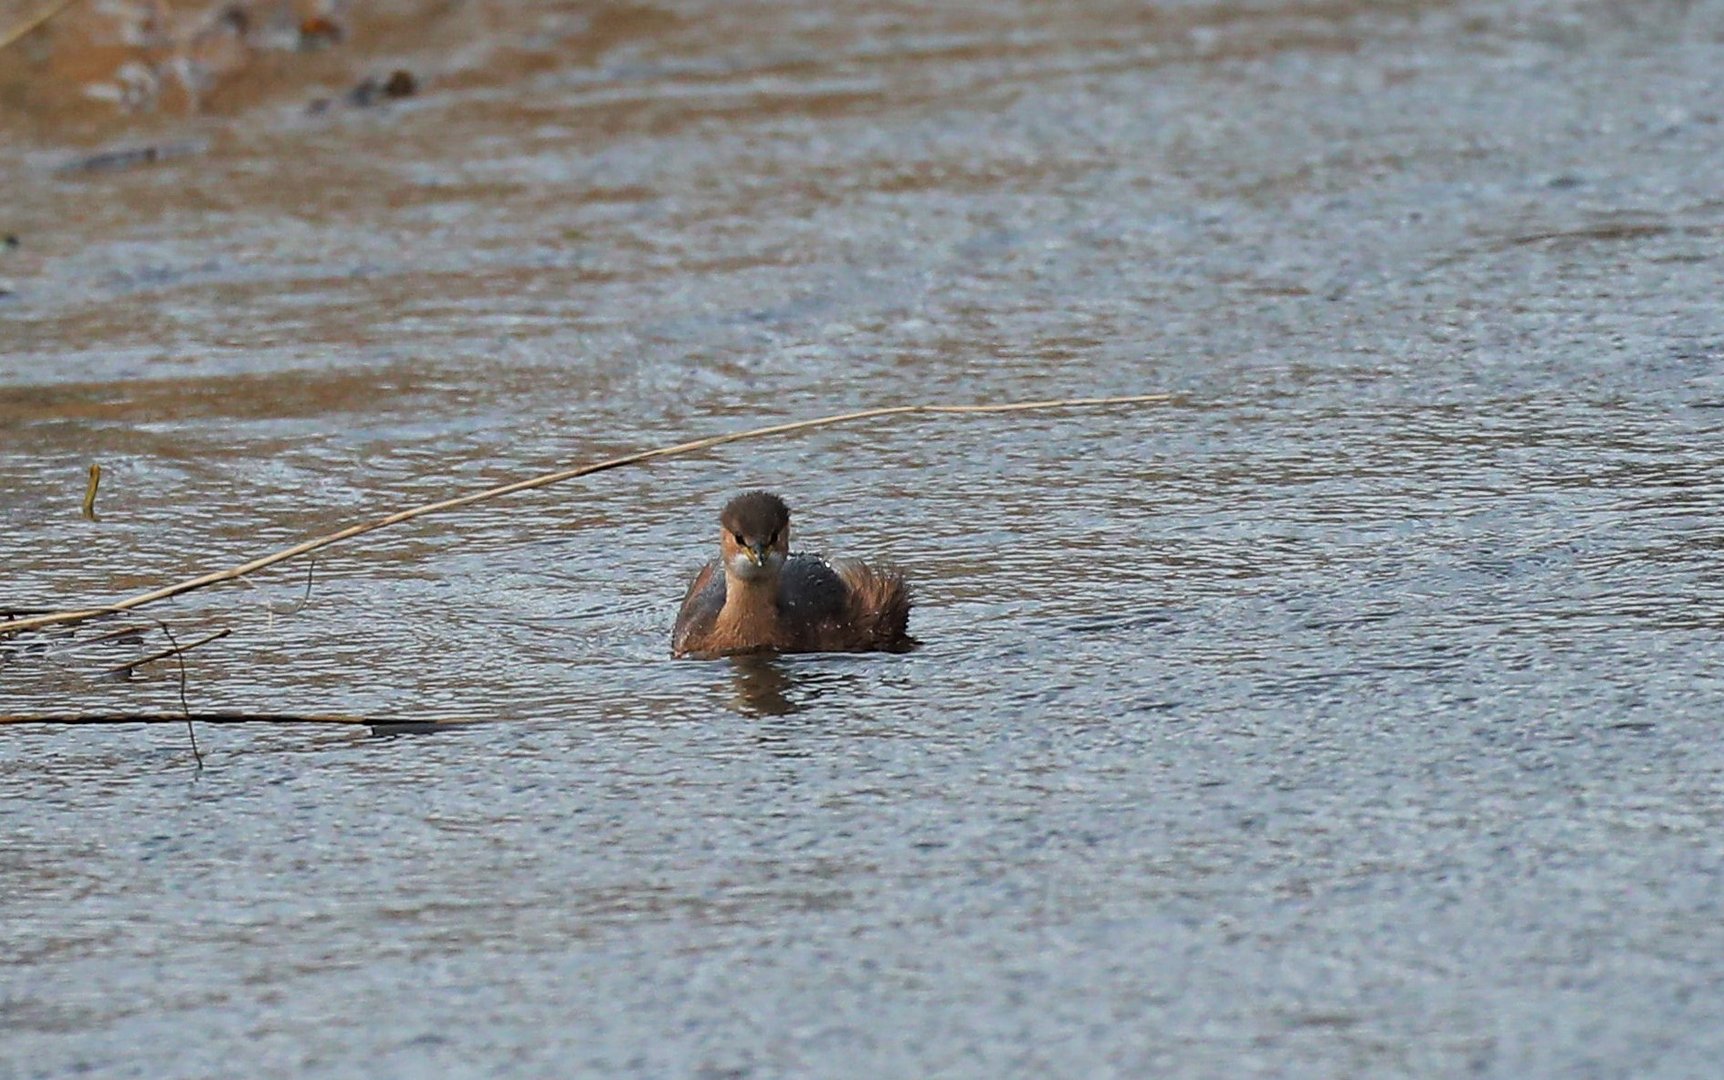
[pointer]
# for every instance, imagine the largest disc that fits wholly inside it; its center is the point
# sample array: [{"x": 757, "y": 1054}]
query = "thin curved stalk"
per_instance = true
[{"x": 16, "y": 626}]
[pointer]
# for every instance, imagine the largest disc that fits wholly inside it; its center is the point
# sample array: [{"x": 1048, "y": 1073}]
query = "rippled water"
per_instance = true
[{"x": 1353, "y": 713}]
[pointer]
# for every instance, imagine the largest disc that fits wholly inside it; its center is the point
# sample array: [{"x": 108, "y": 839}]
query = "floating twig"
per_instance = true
[
  {"x": 305, "y": 547},
  {"x": 129, "y": 157}
]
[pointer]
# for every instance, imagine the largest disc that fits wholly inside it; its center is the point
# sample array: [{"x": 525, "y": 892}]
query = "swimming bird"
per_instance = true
[{"x": 757, "y": 597}]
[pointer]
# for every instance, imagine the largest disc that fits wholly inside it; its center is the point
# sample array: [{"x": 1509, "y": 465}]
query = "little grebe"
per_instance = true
[{"x": 768, "y": 600}]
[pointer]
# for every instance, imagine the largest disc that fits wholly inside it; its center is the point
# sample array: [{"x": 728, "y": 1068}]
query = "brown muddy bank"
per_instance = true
[{"x": 88, "y": 71}]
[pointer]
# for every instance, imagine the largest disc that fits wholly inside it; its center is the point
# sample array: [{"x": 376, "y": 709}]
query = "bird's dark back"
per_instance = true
[{"x": 810, "y": 591}]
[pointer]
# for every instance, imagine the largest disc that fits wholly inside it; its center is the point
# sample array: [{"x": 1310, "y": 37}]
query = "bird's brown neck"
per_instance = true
[{"x": 750, "y": 608}]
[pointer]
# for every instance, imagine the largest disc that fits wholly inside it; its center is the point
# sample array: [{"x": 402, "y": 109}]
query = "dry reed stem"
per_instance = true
[
  {"x": 90, "y": 492},
  {"x": 16, "y": 626},
  {"x": 23, "y": 29}
]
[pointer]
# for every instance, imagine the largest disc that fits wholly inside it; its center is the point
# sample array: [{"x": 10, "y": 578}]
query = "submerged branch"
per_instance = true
[
  {"x": 206, "y": 718},
  {"x": 131, "y": 630},
  {"x": 175, "y": 650}
]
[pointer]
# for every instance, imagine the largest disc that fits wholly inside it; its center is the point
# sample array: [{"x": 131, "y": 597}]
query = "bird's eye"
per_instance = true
[
  {"x": 773, "y": 539},
  {"x": 738, "y": 538}
]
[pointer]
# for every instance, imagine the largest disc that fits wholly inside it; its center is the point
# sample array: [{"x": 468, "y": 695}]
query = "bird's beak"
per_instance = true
[{"x": 757, "y": 554}]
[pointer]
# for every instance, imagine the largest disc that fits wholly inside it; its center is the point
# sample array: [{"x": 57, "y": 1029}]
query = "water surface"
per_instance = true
[{"x": 1353, "y": 713}]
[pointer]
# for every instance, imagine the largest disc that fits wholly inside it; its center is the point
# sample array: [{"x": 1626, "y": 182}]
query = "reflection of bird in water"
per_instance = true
[
  {"x": 761, "y": 687},
  {"x": 764, "y": 684},
  {"x": 768, "y": 600}
]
